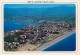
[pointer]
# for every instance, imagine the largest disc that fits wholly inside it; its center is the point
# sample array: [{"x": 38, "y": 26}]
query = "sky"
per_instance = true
[{"x": 35, "y": 5}]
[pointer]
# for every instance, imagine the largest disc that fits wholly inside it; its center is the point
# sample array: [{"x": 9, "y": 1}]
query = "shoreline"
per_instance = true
[{"x": 46, "y": 45}]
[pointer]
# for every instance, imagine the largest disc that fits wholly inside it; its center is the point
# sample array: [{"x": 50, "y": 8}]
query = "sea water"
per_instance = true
[
  {"x": 13, "y": 25},
  {"x": 67, "y": 44}
]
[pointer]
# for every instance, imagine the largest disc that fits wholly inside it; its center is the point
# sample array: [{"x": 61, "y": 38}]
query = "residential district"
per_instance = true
[{"x": 33, "y": 37}]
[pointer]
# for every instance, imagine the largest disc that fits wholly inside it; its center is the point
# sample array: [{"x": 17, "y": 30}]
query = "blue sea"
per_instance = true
[
  {"x": 67, "y": 44},
  {"x": 13, "y": 25},
  {"x": 41, "y": 11}
]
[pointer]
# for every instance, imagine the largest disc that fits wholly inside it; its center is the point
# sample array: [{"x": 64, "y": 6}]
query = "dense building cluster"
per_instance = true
[{"x": 35, "y": 34}]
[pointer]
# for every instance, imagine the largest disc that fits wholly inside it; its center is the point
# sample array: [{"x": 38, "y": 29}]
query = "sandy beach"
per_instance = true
[
  {"x": 36, "y": 27},
  {"x": 48, "y": 44},
  {"x": 40, "y": 47}
]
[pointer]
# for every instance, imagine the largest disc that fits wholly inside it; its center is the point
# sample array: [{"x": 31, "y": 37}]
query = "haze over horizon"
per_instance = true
[
  {"x": 36, "y": 5},
  {"x": 39, "y": 11}
]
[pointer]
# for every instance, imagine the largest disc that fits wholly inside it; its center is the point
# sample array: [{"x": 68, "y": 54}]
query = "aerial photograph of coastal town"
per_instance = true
[{"x": 39, "y": 27}]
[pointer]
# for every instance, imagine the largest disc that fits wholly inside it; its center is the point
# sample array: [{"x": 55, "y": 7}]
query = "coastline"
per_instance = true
[{"x": 46, "y": 45}]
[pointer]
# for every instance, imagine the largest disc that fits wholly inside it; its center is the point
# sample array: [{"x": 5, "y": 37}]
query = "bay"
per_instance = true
[{"x": 13, "y": 25}]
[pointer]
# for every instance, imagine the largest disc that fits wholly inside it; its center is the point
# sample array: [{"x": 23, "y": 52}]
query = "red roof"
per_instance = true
[{"x": 22, "y": 36}]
